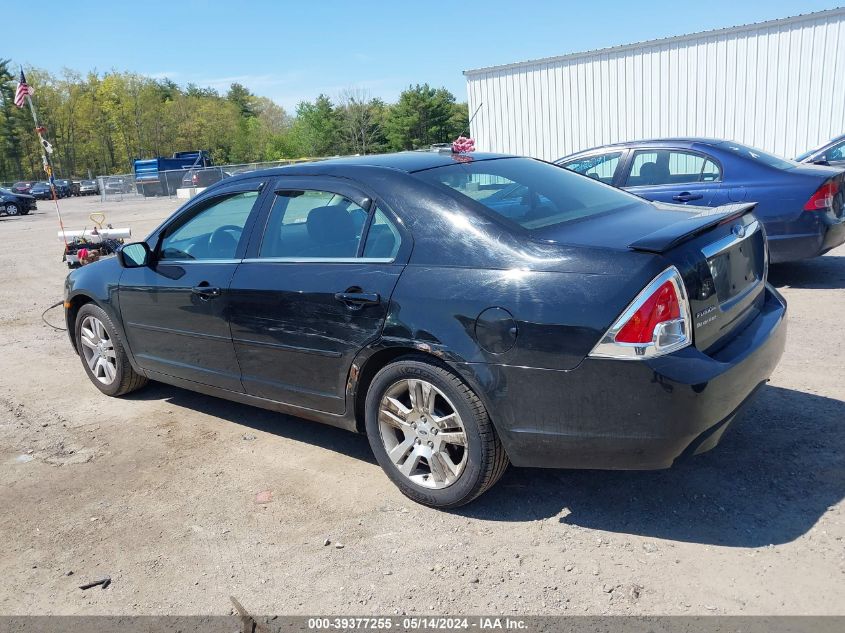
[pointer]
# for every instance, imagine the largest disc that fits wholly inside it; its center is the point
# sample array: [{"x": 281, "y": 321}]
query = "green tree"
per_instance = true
[
  {"x": 242, "y": 98},
  {"x": 317, "y": 127},
  {"x": 11, "y": 167},
  {"x": 424, "y": 115},
  {"x": 361, "y": 123}
]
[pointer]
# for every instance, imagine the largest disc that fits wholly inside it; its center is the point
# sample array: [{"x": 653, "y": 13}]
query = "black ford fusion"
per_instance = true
[
  {"x": 13, "y": 203},
  {"x": 464, "y": 311}
]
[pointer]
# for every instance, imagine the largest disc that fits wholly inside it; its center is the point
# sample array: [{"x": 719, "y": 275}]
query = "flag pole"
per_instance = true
[{"x": 45, "y": 161}]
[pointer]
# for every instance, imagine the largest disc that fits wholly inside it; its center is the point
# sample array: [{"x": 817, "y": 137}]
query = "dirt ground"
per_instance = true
[{"x": 159, "y": 491}]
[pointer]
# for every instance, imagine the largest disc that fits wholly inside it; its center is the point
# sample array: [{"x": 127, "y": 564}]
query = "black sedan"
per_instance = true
[
  {"x": 463, "y": 311},
  {"x": 64, "y": 187},
  {"x": 12, "y": 203}
]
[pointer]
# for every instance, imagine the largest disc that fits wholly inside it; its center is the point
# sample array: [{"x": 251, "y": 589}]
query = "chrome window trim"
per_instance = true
[
  {"x": 319, "y": 260},
  {"x": 283, "y": 260},
  {"x": 721, "y": 245},
  {"x": 182, "y": 262}
]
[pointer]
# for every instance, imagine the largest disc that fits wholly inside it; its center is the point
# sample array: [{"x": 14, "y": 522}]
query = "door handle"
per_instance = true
[
  {"x": 357, "y": 299},
  {"x": 206, "y": 292},
  {"x": 686, "y": 196}
]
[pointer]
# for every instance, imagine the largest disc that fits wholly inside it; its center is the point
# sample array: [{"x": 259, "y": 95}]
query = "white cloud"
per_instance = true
[{"x": 164, "y": 74}]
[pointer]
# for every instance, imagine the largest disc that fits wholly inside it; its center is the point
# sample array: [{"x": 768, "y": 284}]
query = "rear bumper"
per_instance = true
[
  {"x": 633, "y": 415},
  {"x": 827, "y": 232}
]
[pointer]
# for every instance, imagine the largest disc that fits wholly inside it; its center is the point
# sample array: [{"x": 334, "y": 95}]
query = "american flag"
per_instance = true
[{"x": 23, "y": 90}]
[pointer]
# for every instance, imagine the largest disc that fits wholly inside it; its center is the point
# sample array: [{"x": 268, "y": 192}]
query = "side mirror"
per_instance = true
[
  {"x": 135, "y": 255},
  {"x": 821, "y": 161}
]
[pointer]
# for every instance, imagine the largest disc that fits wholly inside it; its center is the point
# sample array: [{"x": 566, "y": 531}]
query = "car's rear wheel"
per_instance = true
[
  {"x": 102, "y": 352},
  {"x": 11, "y": 208},
  {"x": 431, "y": 434}
]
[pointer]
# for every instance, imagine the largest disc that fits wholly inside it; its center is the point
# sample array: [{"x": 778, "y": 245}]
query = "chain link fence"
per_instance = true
[{"x": 178, "y": 182}]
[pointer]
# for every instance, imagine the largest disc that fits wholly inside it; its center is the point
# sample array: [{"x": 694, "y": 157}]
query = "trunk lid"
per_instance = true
[
  {"x": 722, "y": 256},
  {"x": 720, "y": 252}
]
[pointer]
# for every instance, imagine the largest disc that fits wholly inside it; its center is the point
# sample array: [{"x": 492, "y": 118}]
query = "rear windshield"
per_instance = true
[
  {"x": 759, "y": 155},
  {"x": 528, "y": 192},
  {"x": 806, "y": 155}
]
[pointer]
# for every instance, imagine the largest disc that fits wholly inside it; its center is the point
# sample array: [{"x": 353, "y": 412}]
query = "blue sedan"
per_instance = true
[{"x": 802, "y": 207}]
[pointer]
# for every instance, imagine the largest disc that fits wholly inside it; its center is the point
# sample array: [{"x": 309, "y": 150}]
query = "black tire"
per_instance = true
[
  {"x": 11, "y": 208},
  {"x": 486, "y": 460},
  {"x": 126, "y": 379}
]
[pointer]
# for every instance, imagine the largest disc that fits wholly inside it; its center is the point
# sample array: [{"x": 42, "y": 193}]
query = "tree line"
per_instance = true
[{"x": 99, "y": 123}]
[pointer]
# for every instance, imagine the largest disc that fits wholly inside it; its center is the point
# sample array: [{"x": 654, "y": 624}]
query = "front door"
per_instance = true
[
  {"x": 314, "y": 290},
  {"x": 175, "y": 311},
  {"x": 674, "y": 176}
]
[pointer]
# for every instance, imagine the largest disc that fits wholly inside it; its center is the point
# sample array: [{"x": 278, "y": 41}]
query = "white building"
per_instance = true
[{"x": 777, "y": 85}]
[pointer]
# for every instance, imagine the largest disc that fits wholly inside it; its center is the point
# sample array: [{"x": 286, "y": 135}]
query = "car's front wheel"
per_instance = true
[
  {"x": 431, "y": 434},
  {"x": 11, "y": 208},
  {"x": 102, "y": 352}
]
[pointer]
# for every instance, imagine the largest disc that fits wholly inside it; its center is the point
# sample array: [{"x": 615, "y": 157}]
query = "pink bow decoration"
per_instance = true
[{"x": 463, "y": 145}]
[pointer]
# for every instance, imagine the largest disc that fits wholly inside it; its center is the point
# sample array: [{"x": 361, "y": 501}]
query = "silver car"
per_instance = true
[{"x": 88, "y": 188}]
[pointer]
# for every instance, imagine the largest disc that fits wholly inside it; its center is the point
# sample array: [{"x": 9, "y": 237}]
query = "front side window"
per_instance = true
[
  {"x": 308, "y": 224},
  {"x": 670, "y": 167},
  {"x": 213, "y": 233},
  {"x": 528, "y": 192},
  {"x": 598, "y": 166}
]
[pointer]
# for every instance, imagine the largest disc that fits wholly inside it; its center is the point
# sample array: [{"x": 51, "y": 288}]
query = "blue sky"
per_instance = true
[{"x": 290, "y": 51}]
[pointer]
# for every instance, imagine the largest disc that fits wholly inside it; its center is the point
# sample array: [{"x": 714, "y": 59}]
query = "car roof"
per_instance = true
[
  {"x": 408, "y": 162},
  {"x": 677, "y": 141}
]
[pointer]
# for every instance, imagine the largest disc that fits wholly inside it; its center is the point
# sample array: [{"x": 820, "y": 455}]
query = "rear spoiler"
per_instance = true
[{"x": 687, "y": 228}]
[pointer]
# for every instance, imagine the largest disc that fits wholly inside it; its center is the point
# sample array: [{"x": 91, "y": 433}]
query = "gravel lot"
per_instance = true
[{"x": 163, "y": 491}]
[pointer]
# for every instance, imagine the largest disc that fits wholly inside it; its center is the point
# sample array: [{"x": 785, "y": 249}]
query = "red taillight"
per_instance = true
[
  {"x": 823, "y": 197},
  {"x": 662, "y": 305}
]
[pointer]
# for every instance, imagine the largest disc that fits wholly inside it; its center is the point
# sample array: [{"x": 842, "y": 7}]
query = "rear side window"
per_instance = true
[
  {"x": 670, "y": 167},
  {"x": 313, "y": 224},
  {"x": 752, "y": 153},
  {"x": 383, "y": 238},
  {"x": 527, "y": 192},
  {"x": 600, "y": 167}
]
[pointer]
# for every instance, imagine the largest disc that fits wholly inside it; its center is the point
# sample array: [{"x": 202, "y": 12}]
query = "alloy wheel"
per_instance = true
[
  {"x": 98, "y": 350},
  {"x": 11, "y": 209},
  {"x": 422, "y": 433}
]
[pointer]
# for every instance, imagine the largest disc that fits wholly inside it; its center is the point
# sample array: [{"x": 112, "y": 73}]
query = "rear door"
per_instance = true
[
  {"x": 175, "y": 311},
  {"x": 677, "y": 176},
  {"x": 314, "y": 290}
]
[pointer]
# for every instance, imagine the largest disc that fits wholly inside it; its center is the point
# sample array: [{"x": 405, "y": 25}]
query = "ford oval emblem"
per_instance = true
[{"x": 738, "y": 230}]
